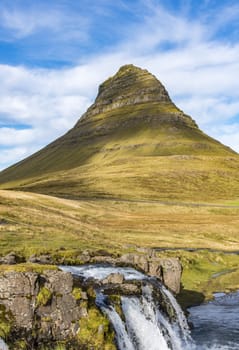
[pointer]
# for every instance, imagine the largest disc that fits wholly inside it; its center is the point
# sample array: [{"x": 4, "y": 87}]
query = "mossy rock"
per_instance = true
[
  {"x": 44, "y": 296},
  {"x": 95, "y": 331},
  {"x": 6, "y": 320},
  {"x": 77, "y": 293}
]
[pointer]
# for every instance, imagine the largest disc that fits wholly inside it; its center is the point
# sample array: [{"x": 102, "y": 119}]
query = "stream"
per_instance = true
[
  {"x": 146, "y": 327},
  {"x": 216, "y": 323}
]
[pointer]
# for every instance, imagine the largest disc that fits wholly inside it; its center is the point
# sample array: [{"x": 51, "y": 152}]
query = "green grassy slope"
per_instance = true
[
  {"x": 33, "y": 224},
  {"x": 133, "y": 142}
]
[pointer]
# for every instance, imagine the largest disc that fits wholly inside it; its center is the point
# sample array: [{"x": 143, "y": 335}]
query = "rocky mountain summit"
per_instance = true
[
  {"x": 130, "y": 86},
  {"x": 133, "y": 142}
]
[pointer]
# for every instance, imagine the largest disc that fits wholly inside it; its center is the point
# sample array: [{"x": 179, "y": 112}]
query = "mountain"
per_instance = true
[{"x": 132, "y": 143}]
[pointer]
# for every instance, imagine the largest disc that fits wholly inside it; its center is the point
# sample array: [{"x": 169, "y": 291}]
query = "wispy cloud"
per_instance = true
[{"x": 198, "y": 68}]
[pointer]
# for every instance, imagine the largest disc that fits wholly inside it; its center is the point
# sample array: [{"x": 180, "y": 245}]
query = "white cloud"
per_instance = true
[
  {"x": 12, "y": 155},
  {"x": 200, "y": 73},
  {"x": 20, "y": 22}
]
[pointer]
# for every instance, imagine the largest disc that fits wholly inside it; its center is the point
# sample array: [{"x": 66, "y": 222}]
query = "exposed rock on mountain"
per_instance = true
[{"x": 133, "y": 142}]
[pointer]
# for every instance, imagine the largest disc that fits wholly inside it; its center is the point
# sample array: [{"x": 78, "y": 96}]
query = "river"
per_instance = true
[{"x": 216, "y": 323}]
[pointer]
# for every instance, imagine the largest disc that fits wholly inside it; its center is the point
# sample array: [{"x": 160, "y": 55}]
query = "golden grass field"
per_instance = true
[{"x": 34, "y": 223}]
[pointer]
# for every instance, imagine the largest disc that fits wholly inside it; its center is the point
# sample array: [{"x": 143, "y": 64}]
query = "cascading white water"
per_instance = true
[
  {"x": 3, "y": 345},
  {"x": 144, "y": 326},
  {"x": 182, "y": 321}
]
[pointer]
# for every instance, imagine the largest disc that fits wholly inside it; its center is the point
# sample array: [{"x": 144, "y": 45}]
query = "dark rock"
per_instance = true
[
  {"x": 126, "y": 288},
  {"x": 4, "y": 222},
  {"x": 10, "y": 259},
  {"x": 41, "y": 259}
]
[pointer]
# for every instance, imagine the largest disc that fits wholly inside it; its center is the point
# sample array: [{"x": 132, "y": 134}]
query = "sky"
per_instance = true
[{"x": 55, "y": 53}]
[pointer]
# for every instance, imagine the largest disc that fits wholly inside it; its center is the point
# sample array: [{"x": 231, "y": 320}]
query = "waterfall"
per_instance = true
[
  {"x": 3, "y": 345},
  {"x": 145, "y": 324}
]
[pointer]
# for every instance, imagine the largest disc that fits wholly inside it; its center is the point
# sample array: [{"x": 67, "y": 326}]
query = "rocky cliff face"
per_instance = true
[
  {"x": 130, "y": 86},
  {"x": 38, "y": 308},
  {"x": 52, "y": 307}
]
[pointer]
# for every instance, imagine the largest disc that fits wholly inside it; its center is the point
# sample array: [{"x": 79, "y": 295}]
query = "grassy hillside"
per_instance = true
[
  {"x": 133, "y": 142},
  {"x": 32, "y": 223}
]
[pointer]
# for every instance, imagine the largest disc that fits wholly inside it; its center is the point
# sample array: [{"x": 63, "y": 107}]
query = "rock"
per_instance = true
[
  {"x": 167, "y": 270},
  {"x": 126, "y": 288},
  {"x": 151, "y": 253},
  {"x": 114, "y": 278},
  {"x": 34, "y": 318},
  {"x": 172, "y": 272},
  {"x": 10, "y": 259},
  {"x": 41, "y": 259},
  {"x": 84, "y": 257},
  {"x": 103, "y": 259},
  {"x": 18, "y": 284}
]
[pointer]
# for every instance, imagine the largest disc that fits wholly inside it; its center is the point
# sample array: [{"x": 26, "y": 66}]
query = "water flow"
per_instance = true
[
  {"x": 181, "y": 318},
  {"x": 144, "y": 326},
  {"x": 3, "y": 345}
]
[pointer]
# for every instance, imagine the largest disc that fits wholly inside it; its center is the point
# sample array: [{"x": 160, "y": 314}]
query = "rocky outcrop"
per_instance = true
[
  {"x": 130, "y": 86},
  {"x": 167, "y": 270},
  {"x": 41, "y": 307},
  {"x": 10, "y": 259}
]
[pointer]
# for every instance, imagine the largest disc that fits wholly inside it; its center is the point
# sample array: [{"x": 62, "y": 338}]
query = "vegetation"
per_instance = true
[
  {"x": 140, "y": 150},
  {"x": 44, "y": 296},
  {"x": 128, "y": 175},
  {"x": 95, "y": 331},
  {"x": 36, "y": 224},
  {"x": 5, "y": 322},
  {"x": 77, "y": 293},
  {"x": 26, "y": 267}
]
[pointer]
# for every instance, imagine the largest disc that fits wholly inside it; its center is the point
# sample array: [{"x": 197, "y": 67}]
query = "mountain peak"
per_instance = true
[
  {"x": 131, "y": 85},
  {"x": 133, "y": 142}
]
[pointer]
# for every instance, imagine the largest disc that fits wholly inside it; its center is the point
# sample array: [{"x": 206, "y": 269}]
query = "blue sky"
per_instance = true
[{"x": 55, "y": 53}]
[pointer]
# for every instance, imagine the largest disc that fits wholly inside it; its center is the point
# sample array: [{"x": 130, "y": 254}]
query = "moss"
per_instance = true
[
  {"x": 20, "y": 344},
  {"x": 27, "y": 267},
  {"x": 91, "y": 294},
  {"x": 5, "y": 322},
  {"x": 116, "y": 301},
  {"x": 60, "y": 347},
  {"x": 95, "y": 331},
  {"x": 44, "y": 296},
  {"x": 77, "y": 293}
]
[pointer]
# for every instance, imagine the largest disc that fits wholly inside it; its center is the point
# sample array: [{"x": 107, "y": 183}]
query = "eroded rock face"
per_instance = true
[
  {"x": 131, "y": 85},
  {"x": 42, "y": 306},
  {"x": 167, "y": 270}
]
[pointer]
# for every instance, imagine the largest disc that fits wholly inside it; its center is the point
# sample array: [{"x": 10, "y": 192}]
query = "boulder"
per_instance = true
[
  {"x": 113, "y": 278},
  {"x": 167, "y": 270},
  {"x": 41, "y": 259},
  {"x": 10, "y": 259}
]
